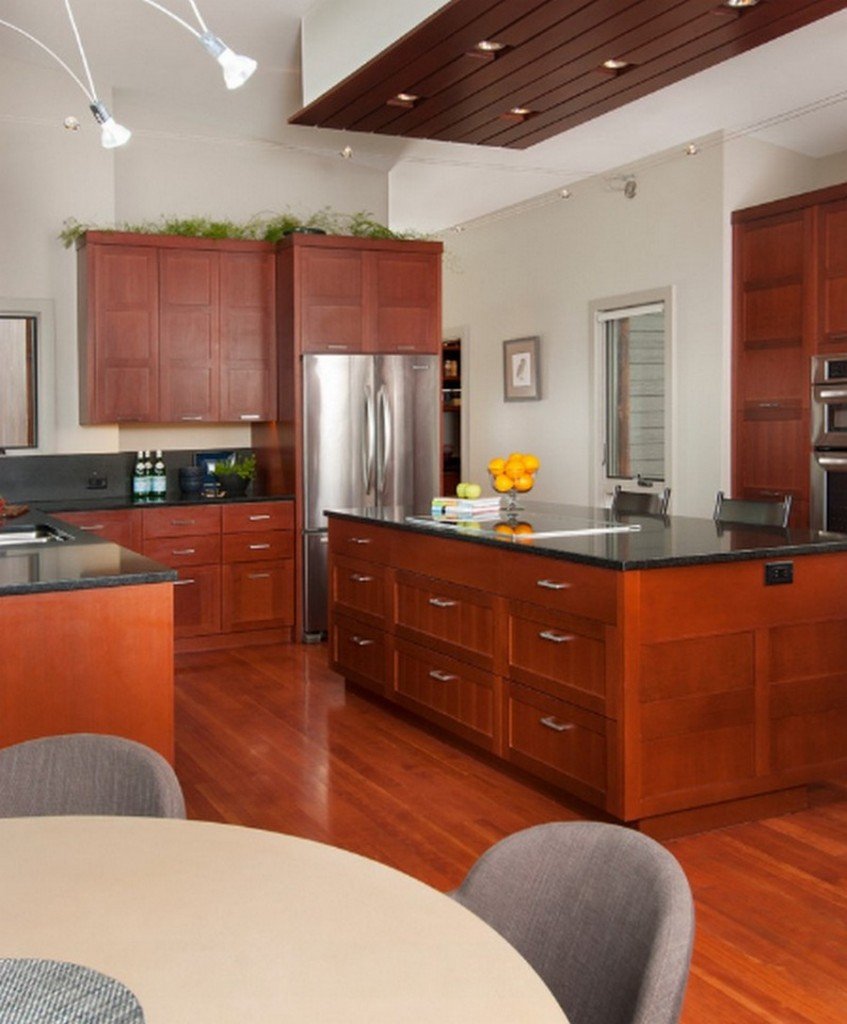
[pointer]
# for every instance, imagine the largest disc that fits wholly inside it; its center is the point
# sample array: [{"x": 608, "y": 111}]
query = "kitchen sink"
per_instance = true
[{"x": 19, "y": 534}]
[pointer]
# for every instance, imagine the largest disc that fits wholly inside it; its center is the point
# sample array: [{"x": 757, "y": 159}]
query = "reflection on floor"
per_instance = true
[{"x": 268, "y": 737}]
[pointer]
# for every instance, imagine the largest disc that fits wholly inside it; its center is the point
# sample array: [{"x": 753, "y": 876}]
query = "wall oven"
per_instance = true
[{"x": 829, "y": 443}]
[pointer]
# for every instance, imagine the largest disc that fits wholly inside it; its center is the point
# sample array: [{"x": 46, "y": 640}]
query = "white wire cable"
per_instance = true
[
  {"x": 198, "y": 16},
  {"x": 93, "y": 92},
  {"x": 55, "y": 56},
  {"x": 177, "y": 19}
]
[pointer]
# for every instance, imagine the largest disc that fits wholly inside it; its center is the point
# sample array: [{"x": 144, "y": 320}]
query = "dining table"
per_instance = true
[{"x": 222, "y": 924}]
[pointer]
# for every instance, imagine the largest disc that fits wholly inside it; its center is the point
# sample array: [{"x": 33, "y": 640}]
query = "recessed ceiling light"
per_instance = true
[
  {"x": 615, "y": 65},
  {"x": 403, "y": 99},
  {"x": 490, "y": 46},
  {"x": 518, "y": 114},
  {"x": 740, "y": 3},
  {"x": 691, "y": 150}
]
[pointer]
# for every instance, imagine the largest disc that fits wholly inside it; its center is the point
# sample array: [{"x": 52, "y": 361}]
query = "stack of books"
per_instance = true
[{"x": 461, "y": 509}]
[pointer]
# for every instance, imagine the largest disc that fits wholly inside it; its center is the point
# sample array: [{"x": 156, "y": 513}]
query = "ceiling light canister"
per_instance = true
[
  {"x": 407, "y": 100},
  {"x": 691, "y": 149},
  {"x": 490, "y": 46},
  {"x": 740, "y": 3},
  {"x": 346, "y": 153}
]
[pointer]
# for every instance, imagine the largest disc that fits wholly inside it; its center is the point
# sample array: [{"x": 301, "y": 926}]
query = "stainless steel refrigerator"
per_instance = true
[{"x": 370, "y": 440}]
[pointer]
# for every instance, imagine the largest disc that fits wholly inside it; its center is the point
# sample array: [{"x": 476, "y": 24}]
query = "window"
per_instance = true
[
  {"x": 631, "y": 389},
  {"x": 17, "y": 382}
]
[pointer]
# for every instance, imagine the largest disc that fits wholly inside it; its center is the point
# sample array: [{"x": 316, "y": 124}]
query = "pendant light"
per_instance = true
[{"x": 236, "y": 68}]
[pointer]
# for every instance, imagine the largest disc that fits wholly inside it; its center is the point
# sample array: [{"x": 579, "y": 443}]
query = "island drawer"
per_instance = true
[
  {"x": 255, "y": 547},
  {"x": 258, "y": 516},
  {"x": 361, "y": 540},
  {"x": 559, "y": 742},
  {"x": 457, "y": 619},
  {"x": 561, "y": 585},
  {"x": 181, "y": 522},
  {"x": 563, "y": 655},
  {"x": 177, "y": 551},
  {"x": 359, "y": 588},
  {"x": 452, "y": 693},
  {"x": 358, "y": 652}
]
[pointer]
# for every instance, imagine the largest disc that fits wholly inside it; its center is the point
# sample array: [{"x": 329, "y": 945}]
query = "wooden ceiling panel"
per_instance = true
[{"x": 551, "y": 64}]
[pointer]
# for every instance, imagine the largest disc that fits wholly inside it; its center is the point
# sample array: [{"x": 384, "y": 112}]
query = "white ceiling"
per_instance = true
[{"x": 791, "y": 92}]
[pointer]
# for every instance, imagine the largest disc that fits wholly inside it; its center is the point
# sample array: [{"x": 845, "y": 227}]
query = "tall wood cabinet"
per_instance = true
[
  {"x": 175, "y": 329},
  {"x": 790, "y": 303}
]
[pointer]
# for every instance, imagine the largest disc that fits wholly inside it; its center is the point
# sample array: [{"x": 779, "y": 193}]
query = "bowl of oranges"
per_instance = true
[{"x": 513, "y": 475}]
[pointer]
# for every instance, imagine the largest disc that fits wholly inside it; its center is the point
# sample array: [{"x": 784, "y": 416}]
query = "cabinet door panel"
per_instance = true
[
  {"x": 359, "y": 588},
  {"x": 189, "y": 335},
  {"x": 197, "y": 601},
  {"x": 332, "y": 313},
  {"x": 258, "y": 595},
  {"x": 406, "y": 302},
  {"x": 358, "y": 652}
]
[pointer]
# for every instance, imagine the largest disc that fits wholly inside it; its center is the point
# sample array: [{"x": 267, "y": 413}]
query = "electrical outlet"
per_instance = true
[
  {"x": 778, "y": 572},
  {"x": 97, "y": 482}
]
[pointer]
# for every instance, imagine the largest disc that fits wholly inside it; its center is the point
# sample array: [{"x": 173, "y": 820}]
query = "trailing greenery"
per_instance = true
[
  {"x": 243, "y": 466},
  {"x": 262, "y": 228}
]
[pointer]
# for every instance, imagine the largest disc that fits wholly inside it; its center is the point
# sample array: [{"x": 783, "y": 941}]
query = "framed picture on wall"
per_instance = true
[{"x": 521, "y": 370}]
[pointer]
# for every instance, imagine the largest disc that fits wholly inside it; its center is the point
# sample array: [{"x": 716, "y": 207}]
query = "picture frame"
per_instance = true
[{"x": 521, "y": 369}]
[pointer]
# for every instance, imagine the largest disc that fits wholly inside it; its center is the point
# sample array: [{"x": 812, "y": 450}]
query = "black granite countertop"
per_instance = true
[
  {"x": 172, "y": 498},
  {"x": 638, "y": 542},
  {"x": 80, "y": 562}
]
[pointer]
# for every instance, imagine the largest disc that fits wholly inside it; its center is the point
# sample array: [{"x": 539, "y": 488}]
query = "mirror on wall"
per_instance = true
[{"x": 18, "y": 385}]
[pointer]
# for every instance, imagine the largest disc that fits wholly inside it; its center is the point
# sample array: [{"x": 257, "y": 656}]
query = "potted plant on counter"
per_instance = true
[{"x": 235, "y": 476}]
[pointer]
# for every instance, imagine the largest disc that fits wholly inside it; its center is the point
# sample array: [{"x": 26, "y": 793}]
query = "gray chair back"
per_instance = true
[
  {"x": 644, "y": 503},
  {"x": 604, "y": 915},
  {"x": 85, "y": 773},
  {"x": 752, "y": 512}
]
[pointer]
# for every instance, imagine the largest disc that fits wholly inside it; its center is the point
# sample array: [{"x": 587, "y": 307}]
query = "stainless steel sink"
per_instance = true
[{"x": 17, "y": 535}]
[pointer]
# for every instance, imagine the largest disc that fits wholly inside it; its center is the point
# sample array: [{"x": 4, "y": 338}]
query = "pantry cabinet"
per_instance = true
[{"x": 176, "y": 329}]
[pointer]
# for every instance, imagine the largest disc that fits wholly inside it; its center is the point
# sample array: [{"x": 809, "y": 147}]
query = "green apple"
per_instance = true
[
  {"x": 461, "y": 490},
  {"x": 472, "y": 490}
]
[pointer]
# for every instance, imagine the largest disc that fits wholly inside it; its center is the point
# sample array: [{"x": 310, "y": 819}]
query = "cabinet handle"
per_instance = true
[
  {"x": 552, "y": 585},
  {"x": 94, "y": 528},
  {"x": 361, "y": 641},
  {"x": 183, "y": 522},
  {"x": 184, "y": 551},
  {"x": 183, "y": 583},
  {"x": 258, "y": 575},
  {"x": 259, "y": 547},
  {"x": 357, "y": 577},
  {"x": 769, "y": 405},
  {"x": 442, "y": 602},
  {"x": 338, "y": 348},
  {"x": 552, "y": 723},
  {"x": 360, "y": 540},
  {"x": 442, "y": 677},
  {"x": 249, "y": 416},
  {"x": 259, "y": 518},
  {"x": 555, "y": 638},
  {"x": 406, "y": 348},
  {"x": 192, "y": 418}
]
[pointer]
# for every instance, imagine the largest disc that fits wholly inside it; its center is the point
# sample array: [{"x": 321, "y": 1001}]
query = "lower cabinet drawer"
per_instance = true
[
  {"x": 258, "y": 595},
  {"x": 559, "y": 742},
  {"x": 122, "y": 526},
  {"x": 177, "y": 551},
  {"x": 258, "y": 547},
  {"x": 197, "y": 601},
  {"x": 452, "y": 693},
  {"x": 358, "y": 652},
  {"x": 358, "y": 587}
]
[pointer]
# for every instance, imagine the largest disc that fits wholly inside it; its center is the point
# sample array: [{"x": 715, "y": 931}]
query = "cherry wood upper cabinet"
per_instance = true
[
  {"x": 832, "y": 303},
  {"x": 350, "y": 295},
  {"x": 176, "y": 329}
]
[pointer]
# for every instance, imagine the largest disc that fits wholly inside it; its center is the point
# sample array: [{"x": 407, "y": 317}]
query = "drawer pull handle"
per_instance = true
[
  {"x": 183, "y": 583},
  {"x": 442, "y": 602},
  {"x": 94, "y": 528},
  {"x": 191, "y": 418},
  {"x": 184, "y": 551},
  {"x": 360, "y": 540},
  {"x": 249, "y": 416},
  {"x": 258, "y": 518},
  {"x": 361, "y": 641},
  {"x": 339, "y": 348},
  {"x": 553, "y": 723},
  {"x": 258, "y": 575},
  {"x": 552, "y": 585},
  {"x": 183, "y": 522},
  {"x": 259, "y": 547},
  {"x": 442, "y": 677},
  {"x": 555, "y": 638},
  {"x": 357, "y": 577}
]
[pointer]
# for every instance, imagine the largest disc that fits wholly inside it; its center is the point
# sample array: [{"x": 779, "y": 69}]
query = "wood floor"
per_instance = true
[{"x": 268, "y": 737}]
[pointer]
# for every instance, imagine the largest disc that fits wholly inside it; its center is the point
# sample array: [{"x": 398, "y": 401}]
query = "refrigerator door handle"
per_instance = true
[
  {"x": 369, "y": 441},
  {"x": 384, "y": 413}
]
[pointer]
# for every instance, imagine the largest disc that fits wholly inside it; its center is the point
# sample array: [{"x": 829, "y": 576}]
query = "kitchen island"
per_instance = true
[
  {"x": 673, "y": 673},
  {"x": 88, "y": 635}
]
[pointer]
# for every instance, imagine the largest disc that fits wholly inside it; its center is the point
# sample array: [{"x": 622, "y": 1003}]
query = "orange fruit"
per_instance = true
[
  {"x": 503, "y": 528},
  {"x": 496, "y": 466},
  {"x": 514, "y": 468},
  {"x": 514, "y": 455},
  {"x": 523, "y": 483},
  {"x": 502, "y": 483},
  {"x": 521, "y": 528},
  {"x": 531, "y": 462}
]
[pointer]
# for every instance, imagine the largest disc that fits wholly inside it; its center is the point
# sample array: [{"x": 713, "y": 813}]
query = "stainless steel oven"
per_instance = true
[{"x": 829, "y": 443}]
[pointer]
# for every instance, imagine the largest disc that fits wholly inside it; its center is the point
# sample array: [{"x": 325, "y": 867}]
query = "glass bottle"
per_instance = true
[
  {"x": 139, "y": 481},
  {"x": 160, "y": 479}
]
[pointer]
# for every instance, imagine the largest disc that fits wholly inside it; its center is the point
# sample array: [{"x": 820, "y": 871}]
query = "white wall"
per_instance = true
[{"x": 48, "y": 175}]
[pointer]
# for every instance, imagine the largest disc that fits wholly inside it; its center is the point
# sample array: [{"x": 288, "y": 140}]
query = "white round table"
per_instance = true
[{"x": 218, "y": 924}]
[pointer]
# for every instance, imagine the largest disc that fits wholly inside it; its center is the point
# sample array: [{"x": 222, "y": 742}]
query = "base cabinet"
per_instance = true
[{"x": 672, "y": 699}]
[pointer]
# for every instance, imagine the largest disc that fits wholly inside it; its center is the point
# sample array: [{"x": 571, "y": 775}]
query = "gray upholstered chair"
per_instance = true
[
  {"x": 85, "y": 773},
  {"x": 604, "y": 915},
  {"x": 752, "y": 512},
  {"x": 645, "y": 503}
]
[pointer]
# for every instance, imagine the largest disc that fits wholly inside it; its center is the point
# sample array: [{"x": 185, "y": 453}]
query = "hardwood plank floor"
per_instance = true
[{"x": 268, "y": 737}]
